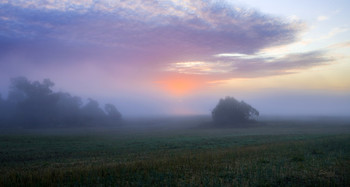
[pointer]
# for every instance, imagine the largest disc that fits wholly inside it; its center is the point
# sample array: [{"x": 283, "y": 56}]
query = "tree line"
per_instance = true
[{"x": 34, "y": 104}]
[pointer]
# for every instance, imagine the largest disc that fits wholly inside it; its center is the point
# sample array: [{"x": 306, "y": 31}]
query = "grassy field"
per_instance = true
[{"x": 278, "y": 153}]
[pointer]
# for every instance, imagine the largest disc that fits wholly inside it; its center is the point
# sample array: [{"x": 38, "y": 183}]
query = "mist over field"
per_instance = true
[
  {"x": 174, "y": 93},
  {"x": 181, "y": 57}
]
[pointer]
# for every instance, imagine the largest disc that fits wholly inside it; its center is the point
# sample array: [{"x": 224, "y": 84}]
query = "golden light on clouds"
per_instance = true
[{"x": 332, "y": 78}]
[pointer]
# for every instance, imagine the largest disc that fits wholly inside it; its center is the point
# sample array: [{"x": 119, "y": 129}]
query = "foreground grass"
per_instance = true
[{"x": 244, "y": 157}]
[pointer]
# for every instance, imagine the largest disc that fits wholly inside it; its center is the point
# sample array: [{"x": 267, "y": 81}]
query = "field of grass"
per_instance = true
[{"x": 278, "y": 153}]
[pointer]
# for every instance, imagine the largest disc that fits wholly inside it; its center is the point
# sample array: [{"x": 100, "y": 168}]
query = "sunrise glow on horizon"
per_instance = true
[{"x": 180, "y": 57}]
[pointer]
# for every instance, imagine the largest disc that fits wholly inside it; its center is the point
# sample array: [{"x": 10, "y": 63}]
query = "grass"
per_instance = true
[{"x": 276, "y": 154}]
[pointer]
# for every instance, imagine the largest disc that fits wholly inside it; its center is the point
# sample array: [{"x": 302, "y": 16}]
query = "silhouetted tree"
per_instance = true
[
  {"x": 35, "y": 104},
  {"x": 2, "y": 111},
  {"x": 92, "y": 113},
  {"x": 113, "y": 114},
  {"x": 2, "y": 101},
  {"x": 231, "y": 112},
  {"x": 68, "y": 110},
  {"x": 7, "y": 110}
]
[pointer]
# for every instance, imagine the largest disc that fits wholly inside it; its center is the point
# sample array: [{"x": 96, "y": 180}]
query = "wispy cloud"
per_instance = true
[
  {"x": 335, "y": 31},
  {"x": 291, "y": 63},
  {"x": 238, "y": 66},
  {"x": 322, "y": 18},
  {"x": 200, "y": 68},
  {"x": 340, "y": 45}
]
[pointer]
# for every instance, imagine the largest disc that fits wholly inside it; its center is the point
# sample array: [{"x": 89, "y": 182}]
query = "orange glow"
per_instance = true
[{"x": 180, "y": 85}]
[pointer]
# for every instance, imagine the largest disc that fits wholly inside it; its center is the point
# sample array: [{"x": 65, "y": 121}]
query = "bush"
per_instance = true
[{"x": 231, "y": 112}]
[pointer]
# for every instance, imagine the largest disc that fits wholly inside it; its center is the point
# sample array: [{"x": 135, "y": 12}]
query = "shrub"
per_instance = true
[{"x": 230, "y": 111}]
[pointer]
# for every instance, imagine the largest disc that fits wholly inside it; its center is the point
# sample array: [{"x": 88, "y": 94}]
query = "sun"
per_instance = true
[{"x": 179, "y": 85}]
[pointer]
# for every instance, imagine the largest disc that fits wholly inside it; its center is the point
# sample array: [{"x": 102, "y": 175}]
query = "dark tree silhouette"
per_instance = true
[
  {"x": 113, "y": 115},
  {"x": 68, "y": 109},
  {"x": 35, "y": 104},
  {"x": 92, "y": 113},
  {"x": 112, "y": 112},
  {"x": 7, "y": 110},
  {"x": 2, "y": 110},
  {"x": 231, "y": 112}
]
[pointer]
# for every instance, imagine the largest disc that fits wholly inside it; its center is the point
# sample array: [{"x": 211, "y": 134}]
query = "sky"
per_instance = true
[{"x": 172, "y": 57}]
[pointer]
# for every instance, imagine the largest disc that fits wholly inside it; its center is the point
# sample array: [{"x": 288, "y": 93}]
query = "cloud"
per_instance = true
[
  {"x": 200, "y": 68},
  {"x": 175, "y": 36},
  {"x": 322, "y": 18},
  {"x": 170, "y": 30},
  {"x": 340, "y": 45},
  {"x": 335, "y": 31},
  {"x": 291, "y": 63},
  {"x": 239, "y": 65}
]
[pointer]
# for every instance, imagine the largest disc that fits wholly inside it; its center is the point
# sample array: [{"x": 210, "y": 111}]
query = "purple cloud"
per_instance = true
[
  {"x": 149, "y": 35},
  {"x": 145, "y": 28}
]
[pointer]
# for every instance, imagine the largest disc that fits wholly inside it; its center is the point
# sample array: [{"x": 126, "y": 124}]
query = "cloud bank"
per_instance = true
[
  {"x": 149, "y": 34},
  {"x": 246, "y": 66}
]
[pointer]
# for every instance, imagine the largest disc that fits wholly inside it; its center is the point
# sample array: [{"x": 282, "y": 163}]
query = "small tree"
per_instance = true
[{"x": 229, "y": 111}]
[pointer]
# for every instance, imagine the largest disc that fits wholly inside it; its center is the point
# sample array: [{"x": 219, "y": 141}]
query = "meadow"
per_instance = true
[{"x": 275, "y": 152}]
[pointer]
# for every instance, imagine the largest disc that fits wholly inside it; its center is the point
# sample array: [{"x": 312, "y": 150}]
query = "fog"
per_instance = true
[
  {"x": 270, "y": 102},
  {"x": 35, "y": 104}
]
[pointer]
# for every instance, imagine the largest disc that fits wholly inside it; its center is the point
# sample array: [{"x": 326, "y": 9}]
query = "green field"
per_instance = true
[{"x": 277, "y": 153}]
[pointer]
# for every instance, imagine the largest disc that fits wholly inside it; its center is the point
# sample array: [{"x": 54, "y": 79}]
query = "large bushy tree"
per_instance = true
[
  {"x": 231, "y": 112},
  {"x": 35, "y": 104},
  {"x": 112, "y": 113}
]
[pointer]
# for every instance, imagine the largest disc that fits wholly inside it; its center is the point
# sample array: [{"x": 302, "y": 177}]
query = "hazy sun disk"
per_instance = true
[{"x": 179, "y": 85}]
